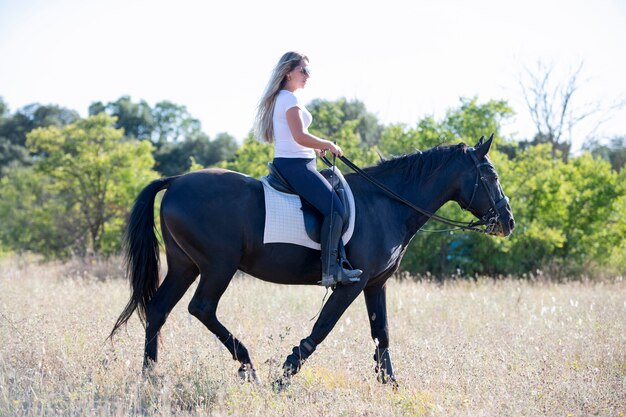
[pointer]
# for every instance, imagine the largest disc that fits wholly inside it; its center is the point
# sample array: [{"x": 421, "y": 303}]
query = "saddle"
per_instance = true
[{"x": 312, "y": 217}]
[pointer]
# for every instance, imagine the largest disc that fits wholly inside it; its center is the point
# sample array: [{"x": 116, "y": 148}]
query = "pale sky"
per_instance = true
[{"x": 403, "y": 59}]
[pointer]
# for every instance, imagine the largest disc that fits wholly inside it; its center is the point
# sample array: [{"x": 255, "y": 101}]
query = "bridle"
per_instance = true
[
  {"x": 491, "y": 217},
  {"x": 489, "y": 220}
]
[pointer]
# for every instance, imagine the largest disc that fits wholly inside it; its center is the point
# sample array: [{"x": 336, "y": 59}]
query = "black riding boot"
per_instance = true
[{"x": 332, "y": 272}]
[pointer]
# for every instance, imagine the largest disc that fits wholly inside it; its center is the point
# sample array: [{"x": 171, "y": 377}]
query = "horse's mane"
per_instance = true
[{"x": 418, "y": 164}]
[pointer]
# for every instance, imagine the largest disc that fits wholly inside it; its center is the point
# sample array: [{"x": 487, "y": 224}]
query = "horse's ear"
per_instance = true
[
  {"x": 480, "y": 141},
  {"x": 483, "y": 148}
]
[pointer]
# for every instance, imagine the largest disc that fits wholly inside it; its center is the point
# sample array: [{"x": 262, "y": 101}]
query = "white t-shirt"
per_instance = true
[{"x": 285, "y": 146}]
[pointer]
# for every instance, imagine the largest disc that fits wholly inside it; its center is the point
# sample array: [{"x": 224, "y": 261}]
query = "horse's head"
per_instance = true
[{"x": 481, "y": 194}]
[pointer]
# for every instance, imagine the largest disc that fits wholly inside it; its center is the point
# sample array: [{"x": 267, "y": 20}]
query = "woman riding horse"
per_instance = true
[{"x": 281, "y": 118}]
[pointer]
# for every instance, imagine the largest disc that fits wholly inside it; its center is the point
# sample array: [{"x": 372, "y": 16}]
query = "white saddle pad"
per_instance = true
[{"x": 284, "y": 220}]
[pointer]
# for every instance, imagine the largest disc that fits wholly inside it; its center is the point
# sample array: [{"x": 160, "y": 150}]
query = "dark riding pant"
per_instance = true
[{"x": 302, "y": 175}]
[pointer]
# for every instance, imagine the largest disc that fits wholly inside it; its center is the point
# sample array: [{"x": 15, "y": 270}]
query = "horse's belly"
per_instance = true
[{"x": 283, "y": 263}]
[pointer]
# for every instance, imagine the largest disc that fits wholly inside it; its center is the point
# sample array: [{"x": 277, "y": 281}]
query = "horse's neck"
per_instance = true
[
  {"x": 429, "y": 197},
  {"x": 429, "y": 194}
]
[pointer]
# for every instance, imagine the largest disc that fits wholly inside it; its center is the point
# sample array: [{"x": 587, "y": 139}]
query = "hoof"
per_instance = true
[
  {"x": 151, "y": 377},
  {"x": 386, "y": 379},
  {"x": 248, "y": 374},
  {"x": 149, "y": 369},
  {"x": 281, "y": 384},
  {"x": 391, "y": 381},
  {"x": 394, "y": 385},
  {"x": 284, "y": 381}
]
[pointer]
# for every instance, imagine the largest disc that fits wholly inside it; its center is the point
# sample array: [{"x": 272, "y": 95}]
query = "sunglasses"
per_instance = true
[{"x": 305, "y": 71}]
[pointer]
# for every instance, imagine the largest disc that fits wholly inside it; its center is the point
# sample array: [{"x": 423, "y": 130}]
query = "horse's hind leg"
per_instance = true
[
  {"x": 180, "y": 275},
  {"x": 213, "y": 282}
]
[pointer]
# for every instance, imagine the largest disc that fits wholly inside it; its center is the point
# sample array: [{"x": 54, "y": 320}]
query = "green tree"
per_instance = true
[
  {"x": 90, "y": 178},
  {"x": 538, "y": 201},
  {"x": 329, "y": 117},
  {"x": 593, "y": 189},
  {"x": 135, "y": 118},
  {"x": 614, "y": 151},
  {"x": 177, "y": 136},
  {"x": 251, "y": 158},
  {"x": 172, "y": 123},
  {"x": 223, "y": 148},
  {"x": 32, "y": 220},
  {"x": 14, "y": 128},
  {"x": 568, "y": 214},
  {"x": 466, "y": 123},
  {"x": 174, "y": 158},
  {"x": 473, "y": 120},
  {"x": 615, "y": 255},
  {"x": 399, "y": 139}
]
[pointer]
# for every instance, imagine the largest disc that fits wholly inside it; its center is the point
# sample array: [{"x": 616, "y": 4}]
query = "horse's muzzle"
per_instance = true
[{"x": 505, "y": 225}]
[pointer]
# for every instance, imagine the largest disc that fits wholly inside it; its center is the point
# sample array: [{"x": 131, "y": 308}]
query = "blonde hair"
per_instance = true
[{"x": 263, "y": 126}]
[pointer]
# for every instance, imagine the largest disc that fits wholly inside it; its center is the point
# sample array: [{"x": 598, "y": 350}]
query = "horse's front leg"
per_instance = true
[
  {"x": 338, "y": 302},
  {"x": 376, "y": 302}
]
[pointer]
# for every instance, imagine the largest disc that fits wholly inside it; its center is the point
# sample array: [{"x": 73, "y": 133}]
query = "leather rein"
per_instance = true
[{"x": 489, "y": 220}]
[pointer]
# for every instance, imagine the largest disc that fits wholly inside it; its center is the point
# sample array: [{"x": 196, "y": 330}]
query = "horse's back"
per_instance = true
[
  {"x": 206, "y": 184},
  {"x": 213, "y": 207}
]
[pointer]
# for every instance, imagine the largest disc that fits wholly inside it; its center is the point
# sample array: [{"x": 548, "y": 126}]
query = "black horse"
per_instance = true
[{"x": 212, "y": 223}]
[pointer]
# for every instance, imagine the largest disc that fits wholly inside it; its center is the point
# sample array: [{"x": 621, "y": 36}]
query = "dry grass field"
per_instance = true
[{"x": 486, "y": 348}]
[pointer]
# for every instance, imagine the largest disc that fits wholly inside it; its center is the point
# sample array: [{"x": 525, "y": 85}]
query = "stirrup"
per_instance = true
[{"x": 343, "y": 276}]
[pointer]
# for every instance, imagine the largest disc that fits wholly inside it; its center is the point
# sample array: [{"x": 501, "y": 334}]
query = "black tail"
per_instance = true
[{"x": 141, "y": 248}]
